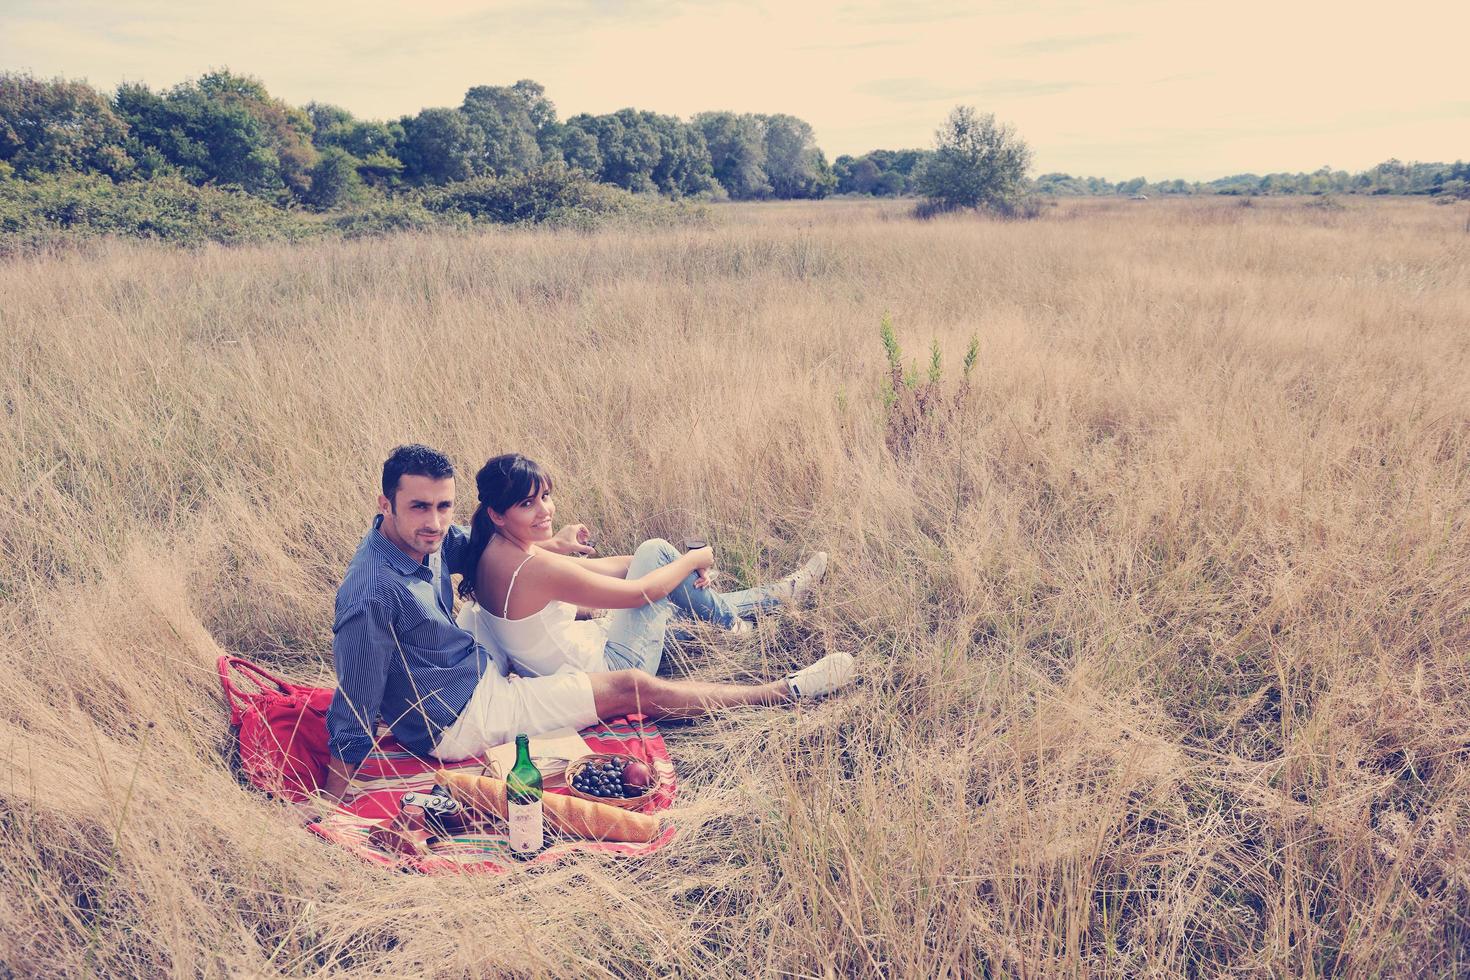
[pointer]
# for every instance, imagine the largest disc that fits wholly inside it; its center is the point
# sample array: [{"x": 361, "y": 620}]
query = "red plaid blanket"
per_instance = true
[
  {"x": 282, "y": 735},
  {"x": 391, "y": 771}
]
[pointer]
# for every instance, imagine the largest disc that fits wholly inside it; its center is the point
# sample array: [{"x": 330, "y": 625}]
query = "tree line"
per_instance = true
[
  {"x": 227, "y": 130},
  {"x": 1390, "y": 177},
  {"x": 897, "y": 173}
]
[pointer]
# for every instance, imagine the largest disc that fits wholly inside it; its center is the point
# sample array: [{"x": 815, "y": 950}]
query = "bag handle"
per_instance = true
[{"x": 263, "y": 680}]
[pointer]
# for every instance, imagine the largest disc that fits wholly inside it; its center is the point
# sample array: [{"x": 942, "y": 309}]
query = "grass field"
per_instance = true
[{"x": 1164, "y": 620}]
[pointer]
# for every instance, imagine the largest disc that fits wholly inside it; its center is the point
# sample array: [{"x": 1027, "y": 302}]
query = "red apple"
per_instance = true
[{"x": 637, "y": 775}]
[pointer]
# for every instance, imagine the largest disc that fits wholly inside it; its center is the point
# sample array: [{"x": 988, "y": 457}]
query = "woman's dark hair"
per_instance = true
[{"x": 502, "y": 482}]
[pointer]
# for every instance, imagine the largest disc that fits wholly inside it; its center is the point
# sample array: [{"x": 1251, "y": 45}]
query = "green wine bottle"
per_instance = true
[{"x": 523, "y": 801}]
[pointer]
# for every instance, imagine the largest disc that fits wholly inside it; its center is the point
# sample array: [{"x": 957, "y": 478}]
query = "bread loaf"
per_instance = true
[{"x": 567, "y": 814}]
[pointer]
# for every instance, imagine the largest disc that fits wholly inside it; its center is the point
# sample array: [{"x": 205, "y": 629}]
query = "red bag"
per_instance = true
[{"x": 282, "y": 730}]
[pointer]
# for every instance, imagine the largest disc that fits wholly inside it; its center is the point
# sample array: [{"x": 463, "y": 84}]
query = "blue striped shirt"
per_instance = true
[{"x": 398, "y": 653}]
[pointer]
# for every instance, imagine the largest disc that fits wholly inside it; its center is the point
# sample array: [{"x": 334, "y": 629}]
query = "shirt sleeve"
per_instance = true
[
  {"x": 362, "y": 643},
  {"x": 456, "y": 549}
]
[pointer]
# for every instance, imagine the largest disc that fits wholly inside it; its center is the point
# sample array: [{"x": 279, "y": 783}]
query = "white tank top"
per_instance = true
[{"x": 548, "y": 641}]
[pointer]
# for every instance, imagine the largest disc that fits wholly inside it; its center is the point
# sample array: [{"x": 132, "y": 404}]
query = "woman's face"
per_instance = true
[{"x": 529, "y": 519}]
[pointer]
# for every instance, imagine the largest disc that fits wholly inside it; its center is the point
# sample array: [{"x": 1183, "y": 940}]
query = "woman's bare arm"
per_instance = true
[
  {"x": 614, "y": 565},
  {"x": 569, "y": 580}
]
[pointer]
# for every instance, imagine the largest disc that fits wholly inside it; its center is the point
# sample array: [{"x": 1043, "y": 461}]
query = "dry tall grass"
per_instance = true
[{"x": 1164, "y": 635}]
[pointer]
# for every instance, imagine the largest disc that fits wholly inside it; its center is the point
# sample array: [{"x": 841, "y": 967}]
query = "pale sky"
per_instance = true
[{"x": 1151, "y": 88}]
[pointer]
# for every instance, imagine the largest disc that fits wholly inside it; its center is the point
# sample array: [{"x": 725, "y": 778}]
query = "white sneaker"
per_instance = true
[
  {"x": 833, "y": 672},
  {"x": 795, "y": 586}
]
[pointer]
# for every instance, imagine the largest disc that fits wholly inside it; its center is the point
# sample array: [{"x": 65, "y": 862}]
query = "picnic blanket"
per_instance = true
[{"x": 391, "y": 770}]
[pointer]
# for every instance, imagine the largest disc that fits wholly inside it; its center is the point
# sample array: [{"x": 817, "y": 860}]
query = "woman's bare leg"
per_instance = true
[{"x": 624, "y": 692}]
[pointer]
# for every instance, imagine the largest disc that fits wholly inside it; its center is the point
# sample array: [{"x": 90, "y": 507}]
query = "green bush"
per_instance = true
[
  {"x": 383, "y": 217},
  {"x": 549, "y": 194},
  {"x": 977, "y": 163},
  {"x": 54, "y": 210}
]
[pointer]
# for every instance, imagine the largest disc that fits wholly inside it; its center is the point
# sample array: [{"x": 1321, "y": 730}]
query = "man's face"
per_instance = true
[{"x": 419, "y": 515}]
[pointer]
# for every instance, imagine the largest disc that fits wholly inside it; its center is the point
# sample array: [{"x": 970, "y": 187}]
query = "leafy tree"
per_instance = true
[
  {"x": 334, "y": 180},
  {"x": 737, "y": 150},
  {"x": 885, "y": 173},
  {"x": 577, "y": 146},
  {"x": 224, "y": 128},
  {"x": 890, "y": 184},
  {"x": 439, "y": 146},
  {"x": 632, "y": 151},
  {"x": 504, "y": 115},
  {"x": 54, "y": 126},
  {"x": 326, "y": 121},
  {"x": 794, "y": 166},
  {"x": 683, "y": 166},
  {"x": 860, "y": 176},
  {"x": 638, "y": 150},
  {"x": 628, "y": 144},
  {"x": 541, "y": 111},
  {"x": 1059, "y": 183},
  {"x": 286, "y": 129},
  {"x": 904, "y": 163},
  {"x": 373, "y": 144},
  {"x": 977, "y": 163}
]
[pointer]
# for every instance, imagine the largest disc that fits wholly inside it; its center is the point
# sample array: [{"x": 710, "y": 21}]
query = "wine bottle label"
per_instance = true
[{"x": 525, "y": 826}]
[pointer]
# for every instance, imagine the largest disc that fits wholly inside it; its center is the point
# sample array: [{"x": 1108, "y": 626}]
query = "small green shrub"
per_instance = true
[
  {"x": 1023, "y": 208},
  {"x": 918, "y": 412}
]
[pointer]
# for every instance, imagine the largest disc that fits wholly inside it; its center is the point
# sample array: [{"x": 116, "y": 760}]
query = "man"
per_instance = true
[{"x": 400, "y": 656}]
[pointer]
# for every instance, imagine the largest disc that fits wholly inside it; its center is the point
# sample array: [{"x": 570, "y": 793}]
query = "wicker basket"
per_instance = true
[{"x": 626, "y": 803}]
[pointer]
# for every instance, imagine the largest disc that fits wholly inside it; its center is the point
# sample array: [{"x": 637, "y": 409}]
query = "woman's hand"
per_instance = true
[
  {"x": 703, "y": 560},
  {"x": 573, "y": 539}
]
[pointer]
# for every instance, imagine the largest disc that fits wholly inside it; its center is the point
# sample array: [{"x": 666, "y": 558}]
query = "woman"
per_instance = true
[{"x": 528, "y": 599}]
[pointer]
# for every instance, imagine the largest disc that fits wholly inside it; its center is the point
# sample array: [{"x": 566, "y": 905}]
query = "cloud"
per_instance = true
[
  {"x": 1021, "y": 88},
  {"x": 851, "y": 45},
  {"x": 1066, "y": 42},
  {"x": 1186, "y": 76},
  {"x": 912, "y": 90},
  {"x": 371, "y": 30},
  {"x": 905, "y": 11},
  {"x": 520, "y": 19}
]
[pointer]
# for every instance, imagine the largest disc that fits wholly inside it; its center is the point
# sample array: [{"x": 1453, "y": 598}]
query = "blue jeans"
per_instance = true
[{"x": 635, "y": 637}]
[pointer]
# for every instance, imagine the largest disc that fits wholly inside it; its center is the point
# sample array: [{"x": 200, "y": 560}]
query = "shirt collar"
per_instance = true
[{"x": 391, "y": 554}]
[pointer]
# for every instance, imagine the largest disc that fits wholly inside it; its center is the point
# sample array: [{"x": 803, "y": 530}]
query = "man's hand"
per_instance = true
[
  {"x": 572, "y": 539},
  {"x": 339, "y": 780}
]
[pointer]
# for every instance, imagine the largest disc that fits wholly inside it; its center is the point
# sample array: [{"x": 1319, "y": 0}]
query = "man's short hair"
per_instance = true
[{"x": 414, "y": 460}]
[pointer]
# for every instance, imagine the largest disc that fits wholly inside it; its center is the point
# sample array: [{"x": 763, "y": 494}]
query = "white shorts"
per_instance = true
[{"x": 503, "y": 707}]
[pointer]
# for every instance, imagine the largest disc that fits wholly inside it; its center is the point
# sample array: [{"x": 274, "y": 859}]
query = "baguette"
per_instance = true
[{"x": 567, "y": 814}]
